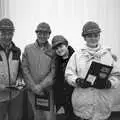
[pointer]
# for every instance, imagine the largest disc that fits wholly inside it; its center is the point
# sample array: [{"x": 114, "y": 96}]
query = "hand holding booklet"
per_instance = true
[{"x": 98, "y": 74}]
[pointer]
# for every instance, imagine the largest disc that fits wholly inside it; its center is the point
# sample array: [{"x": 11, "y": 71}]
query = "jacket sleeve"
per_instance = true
[
  {"x": 26, "y": 72},
  {"x": 115, "y": 74},
  {"x": 71, "y": 71},
  {"x": 19, "y": 79},
  {"x": 49, "y": 79},
  {"x": 20, "y": 74}
]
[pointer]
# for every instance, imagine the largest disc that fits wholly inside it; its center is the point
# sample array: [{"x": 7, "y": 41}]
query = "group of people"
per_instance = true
[{"x": 56, "y": 69}]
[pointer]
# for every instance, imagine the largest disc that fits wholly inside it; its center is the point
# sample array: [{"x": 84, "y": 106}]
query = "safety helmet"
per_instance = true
[
  {"x": 57, "y": 40},
  {"x": 43, "y": 27},
  {"x": 6, "y": 24},
  {"x": 90, "y": 27}
]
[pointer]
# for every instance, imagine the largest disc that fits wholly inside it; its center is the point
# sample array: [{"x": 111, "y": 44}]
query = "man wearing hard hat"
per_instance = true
[
  {"x": 10, "y": 73},
  {"x": 38, "y": 69},
  {"x": 92, "y": 100}
]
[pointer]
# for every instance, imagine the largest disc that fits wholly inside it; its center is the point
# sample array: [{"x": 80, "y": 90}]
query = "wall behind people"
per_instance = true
[
  {"x": 66, "y": 17},
  {"x": 4, "y": 8}
]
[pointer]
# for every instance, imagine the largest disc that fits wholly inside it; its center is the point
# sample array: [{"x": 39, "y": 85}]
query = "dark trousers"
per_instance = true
[
  {"x": 11, "y": 110},
  {"x": 27, "y": 108}
]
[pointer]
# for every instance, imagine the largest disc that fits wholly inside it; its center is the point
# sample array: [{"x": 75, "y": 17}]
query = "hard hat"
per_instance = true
[
  {"x": 6, "y": 24},
  {"x": 43, "y": 27},
  {"x": 90, "y": 27},
  {"x": 58, "y": 39}
]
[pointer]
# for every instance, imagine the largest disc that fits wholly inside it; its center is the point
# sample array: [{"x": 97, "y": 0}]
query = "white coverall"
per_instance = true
[{"x": 91, "y": 103}]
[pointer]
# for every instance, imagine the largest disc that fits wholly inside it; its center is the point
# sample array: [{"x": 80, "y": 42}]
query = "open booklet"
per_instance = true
[
  {"x": 97, "y": 74},
  {"x": 42, "y": 101}
]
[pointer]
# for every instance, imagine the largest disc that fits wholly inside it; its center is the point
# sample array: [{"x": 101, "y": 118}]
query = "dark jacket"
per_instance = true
[{"x": 62, "y": 90}]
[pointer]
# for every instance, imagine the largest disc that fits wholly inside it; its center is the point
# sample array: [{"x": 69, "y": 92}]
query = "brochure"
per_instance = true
[
  {"x": 42, "y": 101},
  {"x": 97, "y": 74}
]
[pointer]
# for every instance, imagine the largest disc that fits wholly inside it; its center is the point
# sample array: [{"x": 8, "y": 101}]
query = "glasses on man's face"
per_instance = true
[
  {"x": 42, "y": 33},
  {"x": 90, "y": 35}
]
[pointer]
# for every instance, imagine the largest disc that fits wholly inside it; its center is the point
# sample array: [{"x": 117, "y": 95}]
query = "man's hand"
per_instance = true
[
  {"x": 102, "y": 84},
  {"x": 37, "y": 89},
  {"x": 80, "y": 82}
]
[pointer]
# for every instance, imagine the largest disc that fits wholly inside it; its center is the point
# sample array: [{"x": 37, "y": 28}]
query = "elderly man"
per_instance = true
[{"x": 38, "y": 70}]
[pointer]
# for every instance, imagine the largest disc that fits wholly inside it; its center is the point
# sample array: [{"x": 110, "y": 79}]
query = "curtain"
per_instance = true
[
  {"x": 66, "y": 17},
  {"x": 4, "y": 8}
]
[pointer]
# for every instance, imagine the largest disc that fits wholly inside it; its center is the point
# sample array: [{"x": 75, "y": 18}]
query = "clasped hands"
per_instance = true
[{"x": 37, "y": 89}]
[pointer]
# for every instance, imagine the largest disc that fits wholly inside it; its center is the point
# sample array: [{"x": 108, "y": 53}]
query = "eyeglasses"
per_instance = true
[
  {"x": 93, "y": 35},
  {"x": 42, "y": 32}
]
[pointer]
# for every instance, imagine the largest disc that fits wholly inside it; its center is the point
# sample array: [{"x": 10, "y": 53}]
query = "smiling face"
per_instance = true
[
  {"x": 61, "y": 50},
  {"x": 42, "y": 36},
  {"x": 6, "y": 37},
  {"x": 92, "y": 39}
]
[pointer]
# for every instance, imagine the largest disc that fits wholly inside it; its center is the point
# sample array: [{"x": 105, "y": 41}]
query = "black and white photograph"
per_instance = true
[{"x": 59, "y": 59}]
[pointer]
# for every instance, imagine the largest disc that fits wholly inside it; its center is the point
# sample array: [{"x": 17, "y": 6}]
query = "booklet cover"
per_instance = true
[
  {"x": 97, "y": 74},
  {"x": 42, "y": 101}
]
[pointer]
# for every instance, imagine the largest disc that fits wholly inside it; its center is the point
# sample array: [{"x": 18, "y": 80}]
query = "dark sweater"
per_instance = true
[{"x": 62, "y": 89}]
